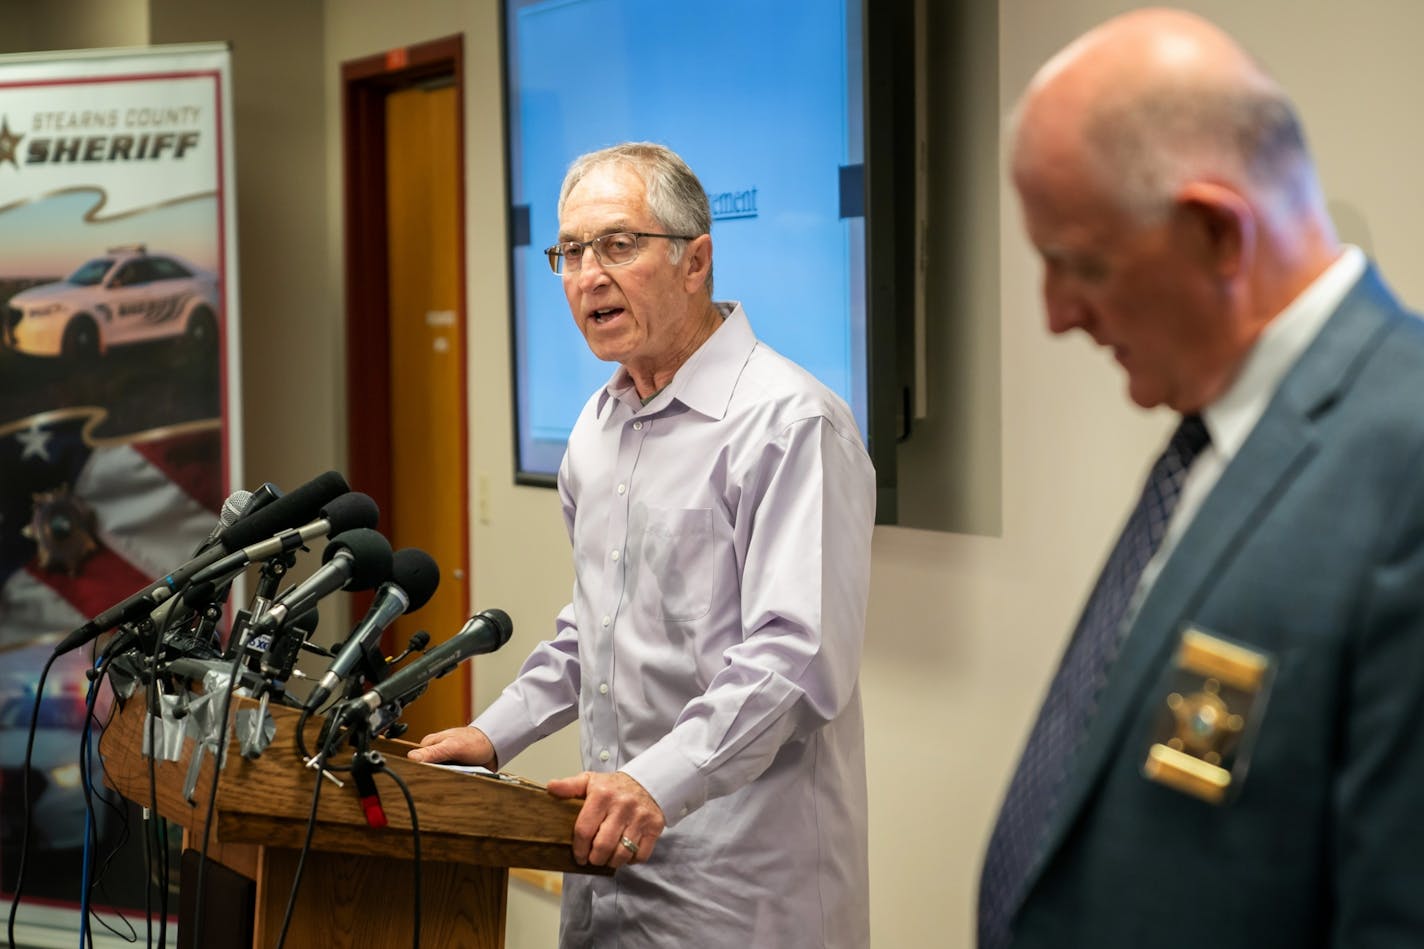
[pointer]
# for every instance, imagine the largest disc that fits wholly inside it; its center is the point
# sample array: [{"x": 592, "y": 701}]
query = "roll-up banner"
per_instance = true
[{"x": 119, "y": 421}]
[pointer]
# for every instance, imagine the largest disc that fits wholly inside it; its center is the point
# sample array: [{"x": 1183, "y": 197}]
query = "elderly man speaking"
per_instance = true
[{"x": 720, "y": 503}]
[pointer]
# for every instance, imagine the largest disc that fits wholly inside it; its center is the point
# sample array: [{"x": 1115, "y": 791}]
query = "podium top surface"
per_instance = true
[{"x": 464, "y": 818}]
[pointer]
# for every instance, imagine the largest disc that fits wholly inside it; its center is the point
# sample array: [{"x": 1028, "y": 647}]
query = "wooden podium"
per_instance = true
[{"x": 357, "y": 887}]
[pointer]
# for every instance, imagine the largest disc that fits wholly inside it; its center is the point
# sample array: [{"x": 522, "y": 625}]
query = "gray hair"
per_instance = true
[
  {"x": 675, "y": 196},
  {"x": 1146, "y": 143}
]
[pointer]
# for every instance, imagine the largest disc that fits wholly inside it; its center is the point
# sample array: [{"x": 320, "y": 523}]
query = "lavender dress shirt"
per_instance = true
[{"x": 721, "y": 538}]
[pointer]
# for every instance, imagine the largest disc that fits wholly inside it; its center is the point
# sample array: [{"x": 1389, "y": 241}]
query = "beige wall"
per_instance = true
[
  {"x": 33, "y": 25},
  {"x": 964, "y": 629},
  {"x": 292, "y": 352}
]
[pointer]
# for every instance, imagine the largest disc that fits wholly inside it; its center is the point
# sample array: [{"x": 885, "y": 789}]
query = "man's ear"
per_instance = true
[
  {"x": 697, "y": 257},
  {"x": 1219, "y": 224}
]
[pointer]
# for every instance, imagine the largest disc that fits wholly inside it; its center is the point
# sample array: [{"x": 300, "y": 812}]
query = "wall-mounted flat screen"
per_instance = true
[{"x": 765, "y": 102}]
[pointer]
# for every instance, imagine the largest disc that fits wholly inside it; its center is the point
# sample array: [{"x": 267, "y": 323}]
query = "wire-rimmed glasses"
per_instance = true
[{"x": 612, "y": 250}]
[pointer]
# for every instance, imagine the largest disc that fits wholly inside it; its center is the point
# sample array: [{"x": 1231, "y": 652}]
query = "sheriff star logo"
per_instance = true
[{"x": 9, "y": 141}]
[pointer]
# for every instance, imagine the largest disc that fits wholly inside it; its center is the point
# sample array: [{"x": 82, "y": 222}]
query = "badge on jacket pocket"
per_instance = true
[{"x": 1213, "y": 699}]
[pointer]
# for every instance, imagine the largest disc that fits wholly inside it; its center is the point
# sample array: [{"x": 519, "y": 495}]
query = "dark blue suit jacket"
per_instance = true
[{"x": 1310, "y": 549}]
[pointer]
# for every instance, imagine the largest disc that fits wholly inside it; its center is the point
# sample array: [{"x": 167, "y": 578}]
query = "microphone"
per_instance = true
[
  {"x": 356, "y": 559},
  {"x": 262, "y": 497},
  {"x": 485, "y": 632},
  {"x": 248, "y": 502},
  {"x": 417, "y": 643},
  {"x": 414, "y": 577},
  {"x": 349, "y": 511},
  {"x": 232, "y": 509},
  {"x": 300, "y": 505},
  {"x": 296, "y": 507}
]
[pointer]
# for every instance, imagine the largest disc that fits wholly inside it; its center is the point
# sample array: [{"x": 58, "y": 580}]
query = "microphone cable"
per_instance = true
[
  {"x": 237, "y": 643},
  {"x": 318, "y": 766},
  {"x": 86, "y": 938},
  {"x": 219, "y": 755},
  {"x": 155, "y": 827},
  {"x": 159, "y": 826},
  {"x": 239, "y": 649},
  {"x": 88, "y": 878},
  {"x": 380, "y": 768},
  {"x": 377, "y": 764},
  {"x": 28, "y": 817}
]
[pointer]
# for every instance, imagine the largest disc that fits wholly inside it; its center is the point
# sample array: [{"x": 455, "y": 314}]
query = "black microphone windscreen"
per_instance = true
[
  {"x": 370, "y": 557},
  {"x": 350, "y": 511},
  {"x": 293, "y": 509},
  {"x": 417, "y": 573},
  {"x": 502, "y": 622}
]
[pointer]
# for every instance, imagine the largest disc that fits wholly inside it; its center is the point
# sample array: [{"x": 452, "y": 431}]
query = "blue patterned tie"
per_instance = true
[{"x": 1068, "y": 708}]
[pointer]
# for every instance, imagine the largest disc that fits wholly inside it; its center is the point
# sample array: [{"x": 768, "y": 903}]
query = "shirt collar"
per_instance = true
[
  {"x": 704, "y": 383},
  {"x": 1231, "y": 417}
]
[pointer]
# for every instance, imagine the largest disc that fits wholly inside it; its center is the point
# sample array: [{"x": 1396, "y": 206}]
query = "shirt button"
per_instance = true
[
  {"x": 606, "y": 621},
  {"x": 637, "y": 426},
  {"x": 603, "y": 688},
  {"x": 614, "y": 555},
  {"x": 604, "y": 755},
  {"x": 684, "y": 812},
  {"x": 622, "y": 489}
]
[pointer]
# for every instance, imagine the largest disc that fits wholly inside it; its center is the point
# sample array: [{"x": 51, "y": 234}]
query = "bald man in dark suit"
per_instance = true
[{"x": 1231, "y": 753}]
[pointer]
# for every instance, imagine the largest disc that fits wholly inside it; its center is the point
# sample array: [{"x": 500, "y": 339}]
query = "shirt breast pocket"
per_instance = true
[{"x": 676, "y": 563}]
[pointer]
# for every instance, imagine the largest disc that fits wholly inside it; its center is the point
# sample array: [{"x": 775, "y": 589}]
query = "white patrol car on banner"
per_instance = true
[{"x": 126, "y": 296}]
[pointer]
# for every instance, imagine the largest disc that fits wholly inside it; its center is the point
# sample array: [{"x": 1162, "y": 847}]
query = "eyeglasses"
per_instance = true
[{"x": 612, "y": 250}]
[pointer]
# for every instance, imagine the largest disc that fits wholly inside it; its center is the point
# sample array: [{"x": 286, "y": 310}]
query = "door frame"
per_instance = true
[{"x": 365, "y": 84}]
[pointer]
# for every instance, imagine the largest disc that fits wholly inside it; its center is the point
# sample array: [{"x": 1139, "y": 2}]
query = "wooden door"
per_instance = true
[{"x": 427, "y": 384}]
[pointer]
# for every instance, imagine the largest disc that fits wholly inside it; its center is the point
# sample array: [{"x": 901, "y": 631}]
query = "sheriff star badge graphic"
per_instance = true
[{"x": 9, "y": 142}]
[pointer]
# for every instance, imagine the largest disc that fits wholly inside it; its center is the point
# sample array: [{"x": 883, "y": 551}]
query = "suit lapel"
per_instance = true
[{"x": 1281, "y": 444}]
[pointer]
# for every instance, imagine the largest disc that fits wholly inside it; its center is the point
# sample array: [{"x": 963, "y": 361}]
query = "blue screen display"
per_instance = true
[{"x": 764, "y": 102}]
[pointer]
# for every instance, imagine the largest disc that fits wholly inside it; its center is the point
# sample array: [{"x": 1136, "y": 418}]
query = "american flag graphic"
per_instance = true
[{"x": 87, "y": 520}]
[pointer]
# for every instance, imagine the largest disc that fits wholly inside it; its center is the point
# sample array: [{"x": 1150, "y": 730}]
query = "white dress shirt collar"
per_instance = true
[
  {"x": 705, "y": 382},
  {"x": 1232, "y": 416}
]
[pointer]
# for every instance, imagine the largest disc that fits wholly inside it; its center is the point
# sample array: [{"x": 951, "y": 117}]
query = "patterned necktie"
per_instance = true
[{"x": 1067, "y": 710}]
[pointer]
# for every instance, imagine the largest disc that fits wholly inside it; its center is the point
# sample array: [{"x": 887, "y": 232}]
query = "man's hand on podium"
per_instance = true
[
  {"x": 463, "y": 745},
  {"x": 620, "y": 822}
]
